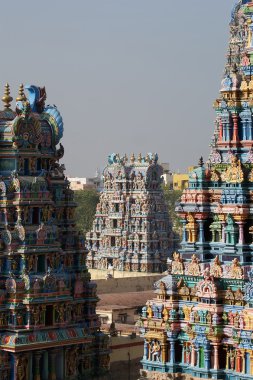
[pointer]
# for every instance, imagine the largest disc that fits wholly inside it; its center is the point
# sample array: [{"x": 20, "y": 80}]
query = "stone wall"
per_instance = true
[{"x": 126, "y": 284}]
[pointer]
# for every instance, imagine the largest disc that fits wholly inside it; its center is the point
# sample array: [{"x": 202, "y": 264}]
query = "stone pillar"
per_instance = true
[
  {"x": 235, "y": 132},
  {"x": 227, "y": 359},
  {"x": 172, "y": 351},
  {"x": 216, "y": 357},
  {"x": 201, "y": 231},
  {"x": 45, "y": 365},
  {"x": 60, "y": 364},
  {"x": 193, "y": 356},
  {"x": 241, "y": 233},
  {"x": 28, "y": 317},
  {"x": 198, "y": 357},
  {"x": 183, "y": 348},
  {"x": 251, "y": 362},
  {"x": 223, "y": 224},
  {"x": 220, "y": 130},
  {"x": 52, "y": 373},
  {"x": 207, "y": 358},
  {"x": 36, "y": 372},
  {"x": 14, "y": 372},
  {"x": 243, "y": 362},
  {"x": 250, "y": 131},
  {"x": 228, "y": 128},
  {"x": 184, "y": 232},
  {"x": 145, "y": 355},
  {"x": 164, "y": 353}
]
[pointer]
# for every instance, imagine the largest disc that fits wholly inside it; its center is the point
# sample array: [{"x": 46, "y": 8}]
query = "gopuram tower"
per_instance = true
[
  {"x": 49, "y": 329},
  {"x": 131, "y": 231},
  {"x": 200, "y": 325}
]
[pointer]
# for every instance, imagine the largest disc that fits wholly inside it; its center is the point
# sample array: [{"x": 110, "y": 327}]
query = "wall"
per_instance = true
[
  {"x": 123, "y": 347},
  {"x": 124, "y": 285},
  {"x": 126, "y": 354},
  {"x": 99, "y": 274}
]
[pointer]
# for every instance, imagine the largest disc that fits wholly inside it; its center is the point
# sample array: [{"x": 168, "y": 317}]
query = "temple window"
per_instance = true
[
  {"x": 39, "y": 164},
  {"x": 26, "y": 166},
  {"x": 115, "y": 223},
  {"x": 49, "y": 318},
  {"x": 216, "y": 236},
  {"x": 41, "y": 263},
  {"x": 112, "y": 241},
  {"x": 178, "y": 352},
  {"x": 36, "y": 215}
]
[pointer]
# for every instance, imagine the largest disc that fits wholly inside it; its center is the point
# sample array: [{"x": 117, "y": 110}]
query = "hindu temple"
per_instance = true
[
  {"x": 131, "y": 230},
  {"x": 49, "y": 329},
  {"x": 200, "y": 322}
]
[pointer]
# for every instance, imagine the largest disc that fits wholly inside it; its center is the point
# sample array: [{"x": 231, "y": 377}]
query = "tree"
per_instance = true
[
  {"x": 87, "y": 201},
  {"x": 171, "y": 198}
]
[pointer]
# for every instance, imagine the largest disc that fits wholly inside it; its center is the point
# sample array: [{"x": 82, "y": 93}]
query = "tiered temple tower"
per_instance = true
[
  {"x": 48, "y": 322},
  {"x": 200, "y": 325},
  {"x": 131, "y": 230}
]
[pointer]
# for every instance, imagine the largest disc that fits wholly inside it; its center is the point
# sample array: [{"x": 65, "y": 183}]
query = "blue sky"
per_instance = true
[{"x": 127, "y": 75}]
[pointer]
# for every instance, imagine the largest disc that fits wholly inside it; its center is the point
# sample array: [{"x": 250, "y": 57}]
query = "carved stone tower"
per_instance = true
[
  {"x": 48, "y": 322},
  {"x": 200, "y": 324},
  {"x": 131, "y": 230}
]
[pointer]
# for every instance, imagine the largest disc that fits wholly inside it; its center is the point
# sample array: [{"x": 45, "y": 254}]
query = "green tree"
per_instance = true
[
  {"x": 171, "y": 198},
  {"x": 87, "y": 201}
]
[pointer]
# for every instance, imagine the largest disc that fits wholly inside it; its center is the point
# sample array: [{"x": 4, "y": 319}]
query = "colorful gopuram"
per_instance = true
[
  {"x": 200, "y": 325},
  {"x": 131, "y": 230},
  {"x": 49, "y": 329}
]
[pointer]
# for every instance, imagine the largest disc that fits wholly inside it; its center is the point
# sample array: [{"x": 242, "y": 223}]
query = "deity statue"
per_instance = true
[
  {"x": 177, "y": 264},
  {"x": 216, "y": 268},
  {"x": 194, "y": 267}
]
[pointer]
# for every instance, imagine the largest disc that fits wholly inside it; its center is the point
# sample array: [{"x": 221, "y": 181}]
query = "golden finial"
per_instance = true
[
  {"x": 139, "y": 157},
  {"x": 7, "y": 98},
  {"x": 132, "y": 158},
  {"x": 21, "y": 95}
]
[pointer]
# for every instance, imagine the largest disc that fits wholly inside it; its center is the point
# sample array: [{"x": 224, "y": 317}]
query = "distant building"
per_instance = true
[
  {"x": 77, "y": 183},
  {"x": 180, "y": 181},
  {"x": 122, "y": 308},
  {"x": 167, "y": 175}
]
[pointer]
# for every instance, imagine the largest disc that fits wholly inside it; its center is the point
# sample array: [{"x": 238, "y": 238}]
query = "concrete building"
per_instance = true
[
  {"x": 78, "y": 183},
  {"x": 167, "y": 175},
  {"x": 180, "y": 181}
]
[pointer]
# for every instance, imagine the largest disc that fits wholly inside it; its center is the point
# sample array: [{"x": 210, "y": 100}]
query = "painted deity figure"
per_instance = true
[
  {"x": 216, "y": 269},
  {"x": 177, "y": 264},
  {"x": 235, "y": 270},
  {"x": 194, "y": 267},
  {"x": 156, "y": 351}
]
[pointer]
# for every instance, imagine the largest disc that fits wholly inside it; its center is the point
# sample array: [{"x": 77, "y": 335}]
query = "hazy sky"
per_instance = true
[{"x": 127, "y": 75}]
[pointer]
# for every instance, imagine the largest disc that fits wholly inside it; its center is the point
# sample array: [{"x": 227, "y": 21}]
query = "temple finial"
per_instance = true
[
  {"x": 201, "y": 162},
  {"x": 7, "y": 99},
  {"x": 21, "y": 95}
]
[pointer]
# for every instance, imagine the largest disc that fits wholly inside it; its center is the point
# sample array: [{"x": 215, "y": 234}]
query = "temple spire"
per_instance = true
[
  {"x": 7, "y": 99},
  {"x": 21, "y": 95}
]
